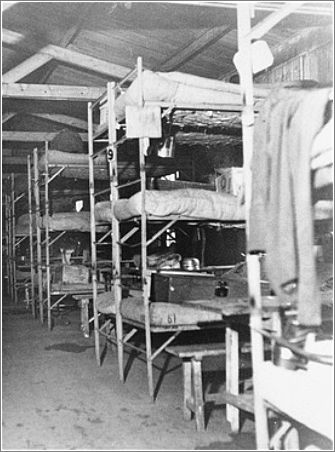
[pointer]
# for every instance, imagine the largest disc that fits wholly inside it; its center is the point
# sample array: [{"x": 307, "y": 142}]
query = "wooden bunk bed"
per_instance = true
[
  {"x": 19, "y": 272},
  {"x": 142, "y": 97},
  {"x": 52, "y": 290}
]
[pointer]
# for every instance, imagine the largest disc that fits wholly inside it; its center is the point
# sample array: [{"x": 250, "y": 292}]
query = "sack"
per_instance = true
[{"x": 67, "y": 141}]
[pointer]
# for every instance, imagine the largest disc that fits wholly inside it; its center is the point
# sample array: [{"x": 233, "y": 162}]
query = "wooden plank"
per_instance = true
[
  {"x": 5, "y": 6},
  {"x": 62, "y": 119},
  {"x": 7, "y": 116},
  {"x": 185, "y": 54},
  {"x": 197, "y": 350},
  {"x": 12, "y": 160},
  {"x": 232, "y": 377},
  {"x": 244, "y": 402},
  {"x": 259, "y": 30},
  {"x": 71, "y": 57},
  {"x": 198, "y": 395},
  {"x": 33, "y": 137},
  {"x": 69, "y": 36},
  {"x": 26, "y": 67},
  {"x": 187, "y": 383},
  {"x": 51, "y": 92}
]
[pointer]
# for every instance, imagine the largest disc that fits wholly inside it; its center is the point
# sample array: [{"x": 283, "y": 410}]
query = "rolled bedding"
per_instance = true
[{"x": 190, "y": 203}]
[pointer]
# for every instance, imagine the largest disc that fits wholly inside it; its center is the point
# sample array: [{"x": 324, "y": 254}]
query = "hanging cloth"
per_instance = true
[{"x": 281, "y": 215}]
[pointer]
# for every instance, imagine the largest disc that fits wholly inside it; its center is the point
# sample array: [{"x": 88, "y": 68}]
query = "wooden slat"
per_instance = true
[
  {"x": 63, "y": 119},
  {"x": 7, "y": 5},
  {"x": 51, "y": 92},
  {"x": 259, "y": 30},
  {"x": 69, "y": 36},
  {"x": 195, "y": 47},
  {"x": 33, "y": 136},
  {"x": 26, "y": 67},
  {"x": 7, "y": 116},
  {"x": 71, "y": 57}
]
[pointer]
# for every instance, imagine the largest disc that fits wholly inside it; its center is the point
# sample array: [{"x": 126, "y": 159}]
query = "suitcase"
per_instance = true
[{"x": 178, "y": 286}]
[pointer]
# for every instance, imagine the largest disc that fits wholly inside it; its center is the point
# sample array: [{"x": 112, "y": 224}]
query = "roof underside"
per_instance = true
[{"x": 198, "y": 38}]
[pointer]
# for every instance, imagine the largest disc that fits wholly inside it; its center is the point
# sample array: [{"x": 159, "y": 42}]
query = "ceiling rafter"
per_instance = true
[
  {"x": 26, "y": 67},
  {"x": 70, "y": 35},
  {"x": 70, "y": 57},
  {"x": 51, "y": 92},
  {"x": 62, "y": 119},
  {"x": 197, "y": 46},
  {"x": 7, "y": 116},
  {"x": 33, "y": 137}
]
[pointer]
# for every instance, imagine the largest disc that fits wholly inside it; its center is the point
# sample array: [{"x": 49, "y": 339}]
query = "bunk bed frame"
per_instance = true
[
  {"x": 52, "y": 295},
  {"x": 13, "y": 238},
  {"x": 111, "y": 148}
]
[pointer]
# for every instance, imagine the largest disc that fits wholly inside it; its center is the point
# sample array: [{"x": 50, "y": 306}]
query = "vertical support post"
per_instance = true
[
  {"x": 116, "y": 244},
  {"x": 85, "y": 326},
  {"x": 38, "y": 234},
  {"x": 262, "y": 434},
  {"x": 187, "y": 383},
  {"x": 47, "y": 232},
  {"x": 143, "y": 146},
  {"x": 232, "y": 376},
  {"x": 198, "y": 394},
  {"x": 12, "y": 213},
  {"x": 93, "y": 232},
  {"x": 246, "y": 83},
  {"x": 7, "y": 244},
  {"x": 253, "y": 264},
  {"x": 8, "y": 240},
  {"x": 31, "y": 241}
]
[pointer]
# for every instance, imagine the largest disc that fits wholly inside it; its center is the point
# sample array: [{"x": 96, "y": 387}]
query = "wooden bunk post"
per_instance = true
[
  {"x": 143, "y": 146},
  {"x": 12, "y": 233},
  {"x": 116, "y": 244},
  {"x": 93, "y": 232},
  {"x": 7, "y": 245},
  {"x": 8, "y": 240},
  {"x": 243, "y": 18},
  {"x": 31, "y": 240},
  {"x": 38, "y": 234},
  {"x": 47, "y": 244}
]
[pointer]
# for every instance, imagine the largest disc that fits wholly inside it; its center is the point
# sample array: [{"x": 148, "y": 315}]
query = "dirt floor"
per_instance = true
[{"x": 55, "y": 397}]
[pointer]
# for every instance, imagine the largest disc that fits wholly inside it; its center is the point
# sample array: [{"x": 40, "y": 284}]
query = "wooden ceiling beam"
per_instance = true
[
  {"x": 25, "y": 68},
  {"x": 7, "y": 116},
  {"x": 70, "y": 57},
  {"x": 185, "y": 54},
  {"x": 51, "y": 92},
  {"x": 32, "y": 137},
  {"x": 14, "y": 160},
  {"x": 7, "y": 5},
  {"x": 40, "y": 59},
  {"x": 70, "y": 35},
  {"x": 62, "y": 119}
]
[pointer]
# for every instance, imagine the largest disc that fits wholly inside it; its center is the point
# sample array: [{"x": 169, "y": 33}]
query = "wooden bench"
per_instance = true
[{"x": 194, "y": 398}]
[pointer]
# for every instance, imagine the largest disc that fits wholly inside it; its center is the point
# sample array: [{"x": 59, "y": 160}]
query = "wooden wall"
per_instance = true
[{"x": 316, "y": 64}]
